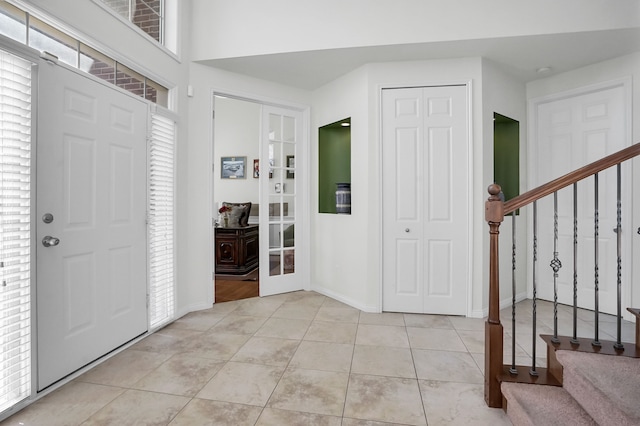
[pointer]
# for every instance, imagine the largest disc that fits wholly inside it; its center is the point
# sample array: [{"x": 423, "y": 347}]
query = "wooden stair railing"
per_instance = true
[{"x": 495, "y": 211}]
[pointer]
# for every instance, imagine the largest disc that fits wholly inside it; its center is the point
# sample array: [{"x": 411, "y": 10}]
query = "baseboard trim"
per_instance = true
[
  {"x": 504, "y": 303},
  {"x": 191, "y": 308},
  {"x": 345, "y": 300}
]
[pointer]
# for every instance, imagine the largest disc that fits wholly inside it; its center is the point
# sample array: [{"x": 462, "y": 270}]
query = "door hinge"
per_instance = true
[{"x": 213, "y": 114}]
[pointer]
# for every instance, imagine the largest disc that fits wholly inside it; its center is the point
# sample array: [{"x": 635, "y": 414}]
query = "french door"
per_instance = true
[{"x": 281, "y": 210}]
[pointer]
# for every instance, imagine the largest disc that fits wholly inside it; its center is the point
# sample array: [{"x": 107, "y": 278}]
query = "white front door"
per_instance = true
[
  {"x": 280, "y": 207},
  {"x": 571, "y": 132},
  {"x": 91, "y": 199},
  {"x": 425, "y": 166}
]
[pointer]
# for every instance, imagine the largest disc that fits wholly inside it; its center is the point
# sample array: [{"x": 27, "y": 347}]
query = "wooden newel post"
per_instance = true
[{"x": 494, "y": 215}]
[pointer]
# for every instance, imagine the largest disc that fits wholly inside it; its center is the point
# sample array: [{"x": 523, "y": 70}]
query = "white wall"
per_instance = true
[
  {"x": 622, "y": 67},
  {"x": 280, "y": 26},
  {"x": 236, "y": 134},
  {"x": 341, "y": 264},
  {"x": 505, "y": 95}
]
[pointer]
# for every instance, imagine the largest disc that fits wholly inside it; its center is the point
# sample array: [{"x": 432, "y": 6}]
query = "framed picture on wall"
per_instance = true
[
  {"x": 233, "y": 167},
  {"x": 291, "y": 163},
  {"x": 256, "y": 168}
]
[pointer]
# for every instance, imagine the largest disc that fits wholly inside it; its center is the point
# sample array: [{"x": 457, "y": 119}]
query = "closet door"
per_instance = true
[{"x": 425, "y": 198}]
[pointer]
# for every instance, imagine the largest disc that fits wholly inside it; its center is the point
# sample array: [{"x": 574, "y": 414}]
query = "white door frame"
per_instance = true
[
  {"x": 469, "y": 86},
  {"x": 303, "y": 253},
  {"x": 532, "y": 151}
]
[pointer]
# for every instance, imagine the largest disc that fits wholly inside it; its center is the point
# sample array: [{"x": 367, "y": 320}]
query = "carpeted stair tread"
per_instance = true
[
  {"x": 543, "y": 405},
  {"x": 607, "y": 386}
]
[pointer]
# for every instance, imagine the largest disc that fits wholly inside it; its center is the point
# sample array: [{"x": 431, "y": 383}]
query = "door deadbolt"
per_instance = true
[{"x": 47, "y": 218}]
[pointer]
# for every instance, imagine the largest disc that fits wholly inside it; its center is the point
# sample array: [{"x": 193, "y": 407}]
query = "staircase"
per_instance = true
[
  {"x": 597, "y": 390},
  {"x": 592, "y": 385},
  {"x": 586, "y": 381}
]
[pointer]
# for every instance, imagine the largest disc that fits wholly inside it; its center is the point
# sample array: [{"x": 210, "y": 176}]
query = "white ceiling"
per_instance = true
[{"x": 520, "y": 56}]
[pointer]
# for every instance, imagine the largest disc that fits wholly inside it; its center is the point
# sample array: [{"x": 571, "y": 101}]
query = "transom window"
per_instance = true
[{"x": 24, "y": 28}]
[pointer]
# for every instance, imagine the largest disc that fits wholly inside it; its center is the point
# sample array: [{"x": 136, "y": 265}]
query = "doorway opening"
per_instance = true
[
  {"x": 236, "y": 192},
  {"x": 259, "y": 205}
]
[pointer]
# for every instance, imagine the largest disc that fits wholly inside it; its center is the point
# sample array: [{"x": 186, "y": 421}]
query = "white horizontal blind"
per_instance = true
[
  {"x": 15, "y": 229},
  {"x": 161, "y": 220}
]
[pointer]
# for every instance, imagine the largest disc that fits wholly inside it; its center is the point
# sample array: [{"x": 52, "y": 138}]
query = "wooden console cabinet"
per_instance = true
[{"x": 236, "y": 250}]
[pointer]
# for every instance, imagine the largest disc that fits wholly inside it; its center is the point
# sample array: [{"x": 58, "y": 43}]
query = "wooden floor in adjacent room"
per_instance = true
[{"x": 229, "y": 288}]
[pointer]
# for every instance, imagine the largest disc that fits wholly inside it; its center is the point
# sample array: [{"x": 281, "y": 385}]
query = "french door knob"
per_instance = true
[
  {"x": 406, "y": 230},
  {"x": 50, "y": 241}
]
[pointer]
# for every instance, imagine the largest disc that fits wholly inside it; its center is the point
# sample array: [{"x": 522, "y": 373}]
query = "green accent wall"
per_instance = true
[
  {"x": 506, "y": 155},
  {"x": 334, "y": 159}
]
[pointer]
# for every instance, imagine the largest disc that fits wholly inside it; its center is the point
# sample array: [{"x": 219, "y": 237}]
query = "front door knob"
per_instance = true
[{"x": 50, "y": 241}]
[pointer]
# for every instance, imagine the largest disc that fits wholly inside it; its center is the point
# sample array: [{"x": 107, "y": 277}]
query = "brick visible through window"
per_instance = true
[
  {"x": 147, "y": 17},
  {"x": 130, "y": 80},
  {"x": 145, "y": 14}
]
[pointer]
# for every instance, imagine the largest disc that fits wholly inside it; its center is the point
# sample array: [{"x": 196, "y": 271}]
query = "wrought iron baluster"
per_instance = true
[
  {"x": 555, "y": 266},
  {"x": 513, "y": 369},
  {"x": 533, "y": 371},
  {"x": 596, "y": 234},
  {"x": 618, "y": 344},
  {"x": 575, "y": 340}
]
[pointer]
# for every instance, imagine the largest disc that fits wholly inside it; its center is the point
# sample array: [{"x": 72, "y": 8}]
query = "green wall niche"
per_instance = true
[
  {"x": 334, "y": 158},
  {"x": 506, "y": 155}
]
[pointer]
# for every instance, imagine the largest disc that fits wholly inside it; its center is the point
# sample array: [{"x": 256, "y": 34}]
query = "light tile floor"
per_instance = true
[{"x": 294, "y": 359}]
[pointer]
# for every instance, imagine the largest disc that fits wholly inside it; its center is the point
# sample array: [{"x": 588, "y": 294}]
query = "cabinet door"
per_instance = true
[
  {"x": 227, "y": 255},
  {"x": 251, "y": 249}
]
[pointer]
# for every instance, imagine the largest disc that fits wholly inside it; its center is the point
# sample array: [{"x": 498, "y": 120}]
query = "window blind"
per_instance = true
[
  {"x": 15, "y": 229},
  {"x": 161, "y": 220}
]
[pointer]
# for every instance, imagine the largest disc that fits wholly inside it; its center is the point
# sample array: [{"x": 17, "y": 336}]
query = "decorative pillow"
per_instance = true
[{"x": 239, "y": 214}]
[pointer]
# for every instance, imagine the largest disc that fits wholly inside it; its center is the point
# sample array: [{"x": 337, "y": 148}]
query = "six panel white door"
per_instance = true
[
  {"x": 572, "y": 132},
  {"x": 425, "y": 198},
  {"x": 91, "y": 179}
]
